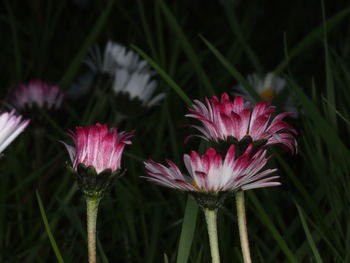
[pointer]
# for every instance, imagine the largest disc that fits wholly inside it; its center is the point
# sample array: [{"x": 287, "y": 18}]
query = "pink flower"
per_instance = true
[
  {"x": 37, "y": 93},
  {"x": 211, "y": 174},
  {"x": 98, "y": 146},
  {"x": 10, "y": 127},
  {"x": 224, "y": 119}
]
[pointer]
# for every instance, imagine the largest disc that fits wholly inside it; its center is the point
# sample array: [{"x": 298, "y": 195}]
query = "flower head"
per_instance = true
[
  {"x": 98, "y": 146},
  {"x": 268, "y": 87},
  {"x": 225, "y": 120},
  {"x": 212, "y": 174},
  {"x": 37, "y": 93},
  {"x": 96, "y": 157},
  {"x": 10, "y": 127}
]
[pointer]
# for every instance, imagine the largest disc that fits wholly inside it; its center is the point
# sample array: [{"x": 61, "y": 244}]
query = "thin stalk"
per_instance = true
[
  {"x": 92, "y": 208},
  {"x": 211, "y": 218},
  {"x": 242, "y": 225}
]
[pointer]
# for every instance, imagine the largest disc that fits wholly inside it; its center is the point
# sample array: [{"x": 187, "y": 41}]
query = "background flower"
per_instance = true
[
  {"x": 268, "y": 87},
  {"x": 37, "y": 93},
  {"x": 138, "y": 86},
  {"x": 10, "y": 127},
  {"x": 129, "y": 76}
]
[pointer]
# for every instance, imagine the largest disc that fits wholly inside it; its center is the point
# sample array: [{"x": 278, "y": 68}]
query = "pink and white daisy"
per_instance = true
[
  {"x": 10, "y": 127},
  {"x": 98, "y": 146},
  {"x": 39, "y": 93},
  {"x": 210, "y": 173},
  {"x": 225, "y": 119}
]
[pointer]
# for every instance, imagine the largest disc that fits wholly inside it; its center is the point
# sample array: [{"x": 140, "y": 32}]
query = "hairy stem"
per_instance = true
[
  {"x": 242, "y": 225},
  {"x": 92, "y": 209},
  {"x": 211, "y": 218}
]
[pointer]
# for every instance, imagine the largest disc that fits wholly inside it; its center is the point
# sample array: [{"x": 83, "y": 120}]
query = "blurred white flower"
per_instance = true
[
  {"x": 131, "y": 75},
  {"x": 268, "y": 87},
  {"x": 115, "y": 56},
  {"x": 137, "y": 85}
]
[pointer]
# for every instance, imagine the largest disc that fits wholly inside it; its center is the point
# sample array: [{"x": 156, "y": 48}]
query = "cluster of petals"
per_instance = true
[
  {"x": 39, "y": 93},
  {"x": 117, "y": 55},
  {"x": 11, "y": 126},
  {"x": 211, "y": 174},
  {"x": 224, "y": 118},
  {"x": 131, "y": 74},
  {"x": 98, "y": 146},
  {"x": 137, "y": 85}
]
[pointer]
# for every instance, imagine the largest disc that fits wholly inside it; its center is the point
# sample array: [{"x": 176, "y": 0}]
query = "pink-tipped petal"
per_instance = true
[{"x": 98, "y": 146}]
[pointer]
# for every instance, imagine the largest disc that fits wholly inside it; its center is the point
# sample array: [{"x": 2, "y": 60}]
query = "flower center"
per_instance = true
[
  {"x": 267, "y": 94},
  {"x": 195, "y": 185}
]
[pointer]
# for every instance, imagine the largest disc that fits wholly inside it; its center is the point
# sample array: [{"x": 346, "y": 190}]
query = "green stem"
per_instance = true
[
  {"x": 211, "y": 218},
  {"x": 242, "y": 225},
  {"x": 92, "y": 208}
]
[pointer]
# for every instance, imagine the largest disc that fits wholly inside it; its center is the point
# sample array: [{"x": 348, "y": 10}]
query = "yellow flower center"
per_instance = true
[
  {"x": 267, "y": 94},
  {"x": 195, "y": 185}
]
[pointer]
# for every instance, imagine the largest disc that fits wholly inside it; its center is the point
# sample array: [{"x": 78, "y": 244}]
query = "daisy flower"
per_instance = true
[
  {"x": 37, "y": 93},
  {"x": 268, "y": 87},
  {"x": 211, "y": 174},
  {"x": 10, "y": 127},
  {"x": 231, "y": 121}
]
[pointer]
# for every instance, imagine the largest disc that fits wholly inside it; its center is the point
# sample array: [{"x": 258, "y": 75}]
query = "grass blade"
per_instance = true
[
  {"x": 311, "y": 38},
  {"x": 48, "y": 230},
  {"x": 269, "y": 224},
  {"x": 231, "y": 69},
  {"x": 165, "y": 76},
  {"x": 91, "y": 38},
  {"x": 187, "y": 231},
  {"x": 309, "y": 236},
  {"x": 190, "y": 52}
]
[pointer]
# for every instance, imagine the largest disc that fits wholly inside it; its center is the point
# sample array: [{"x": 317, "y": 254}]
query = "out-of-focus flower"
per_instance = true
[
  {"x": 268, "y": 87},
  {"x": 212, "y": 174},
  {"x": 228, "y": 120},
  {"x": 138, "y": 86},
  {"x": 131, "y": 77},
  {"x": 96, "y": 156},
  {"x": 37, "y": 93},
  {"x": 116, "y": 56},
  {"x": 10, "y": 127}
]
